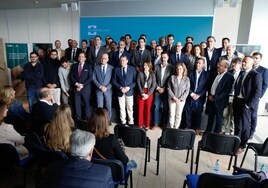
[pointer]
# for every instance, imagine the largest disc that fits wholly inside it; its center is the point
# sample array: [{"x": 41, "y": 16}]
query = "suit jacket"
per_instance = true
[
  {"x": 251, "y": 88},
  {"x": 176, "y": 89},
  {"x": 78, "y": 173},
  {"x": 119, "y": 81},
  {"x": 85, "y": 78},
  {"x": 116, "y": 60},
  {"x": 168, "y": 72},
  {"x": 223, "y": 89},
  {"x": 68, "y": 53},
  {"x": 100, "y": 81},
  {"x": 264, "y": 73},
  {"x": 201, "y": 85},
  {"x": 169, "y": 51},
  {"x": 92, "y": 58},
  {"x": 184, "y": 58},
  {"x": 212, "y": 63},
  {"x": 151, "y": 83},
  {"x": 136, "y": 61},
  {"x": 220, "y": 50}
]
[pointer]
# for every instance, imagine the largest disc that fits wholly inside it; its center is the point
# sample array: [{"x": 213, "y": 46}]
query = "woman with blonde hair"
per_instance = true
[
  {"x": 178, "y": 90},
  {"x": 9, "y": 135},
  {"x": 57, "y": 133},
  {"x": 16, "y": 115},
  {"x": 107, "y": 145}
]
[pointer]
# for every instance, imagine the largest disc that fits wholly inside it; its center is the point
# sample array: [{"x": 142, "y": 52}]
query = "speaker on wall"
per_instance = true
[
  {"x": 74, "y": 6},
  {"x": 219, "y": 3},
  {"x": 233, "y": 3},
  {"x": 64, "y": 7}
]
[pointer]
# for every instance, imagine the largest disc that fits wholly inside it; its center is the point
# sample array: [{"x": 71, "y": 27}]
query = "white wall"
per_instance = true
[{"x": 38, "y": 26}]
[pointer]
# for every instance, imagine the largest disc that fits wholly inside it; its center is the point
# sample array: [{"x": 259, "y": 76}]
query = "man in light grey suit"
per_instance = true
[{"x": 102, "y": 78}]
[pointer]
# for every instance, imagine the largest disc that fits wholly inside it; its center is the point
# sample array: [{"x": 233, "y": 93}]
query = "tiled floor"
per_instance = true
[{"x": 172, "y": 163}]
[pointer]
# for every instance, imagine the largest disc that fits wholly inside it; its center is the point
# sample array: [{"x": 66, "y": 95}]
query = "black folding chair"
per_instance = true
[
  {"x": 134, "y": 137},
  {"x": 176, "y": 139},
  {"x": 259, "y": 150},
  {"x": 119, "y": 173},
  {"x": 218, "y": 144}
]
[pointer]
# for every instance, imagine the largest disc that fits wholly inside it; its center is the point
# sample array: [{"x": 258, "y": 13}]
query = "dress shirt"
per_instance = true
[{"x": 216, "y": 82}]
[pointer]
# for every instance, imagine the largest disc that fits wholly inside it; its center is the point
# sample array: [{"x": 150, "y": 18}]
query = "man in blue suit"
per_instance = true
[
  {"x": 218, "y": 96},
  {"x": 115, "y": 61},
  {"x": 81, "y": 77},
  {"x": 248, "y": 88},
  {"x": 178, "y": 56},
  {"x": 102, "y": 77},
  {"x": 78, "y": 171},
  {"x": 211, "y": 54},
  {"x": 124, "y": 81},
  {"x": 257, "y": 56},
  {"x": 197, "y": 96}
]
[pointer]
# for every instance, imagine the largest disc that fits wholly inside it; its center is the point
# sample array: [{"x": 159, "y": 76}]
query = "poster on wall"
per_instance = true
[
  {"x": 198, "y": 27},
  {"x": 43, "y": 49},
  {"x": 247, "y": 49},
  {"x": 17, "y": 57}
]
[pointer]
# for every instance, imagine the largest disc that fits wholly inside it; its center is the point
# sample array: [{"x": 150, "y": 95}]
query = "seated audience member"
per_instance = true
[
  {"x": 57, "y": 133},
  {"x": 9, "y": 135},
  {"x": 43, "y": 110},
  {"x": 107, "y": 145},
  {"x": 78, "y": 171},
  {"x": 16, "y": 115}
]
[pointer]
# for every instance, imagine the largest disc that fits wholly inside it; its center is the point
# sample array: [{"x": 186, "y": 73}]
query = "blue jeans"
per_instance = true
[
  {"x": 160, "y": 99},
  {"x": 32, "y": 95}
]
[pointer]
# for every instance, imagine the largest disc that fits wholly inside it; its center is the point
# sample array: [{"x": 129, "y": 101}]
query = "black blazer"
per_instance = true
[{"x": 68, "y": 53}]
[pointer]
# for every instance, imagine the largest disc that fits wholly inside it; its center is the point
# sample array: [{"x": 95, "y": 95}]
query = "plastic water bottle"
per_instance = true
[
  {"x": 263, "y": 168},
  {"x": 217, "y": 166},
  {"x": 132, "y": 163}
]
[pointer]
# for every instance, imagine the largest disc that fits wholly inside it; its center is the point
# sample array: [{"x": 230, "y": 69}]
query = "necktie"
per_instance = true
[
  {"x": 80, "y": 68},
  {"x": 178, "y": 57},
  {"x": 103, "y": 71},
  {"x": 239, "y": 84},
  {"x": 140, "y": 54},
  {"x": 73, "y": 56},
  {"x": 124, "y": 72}
]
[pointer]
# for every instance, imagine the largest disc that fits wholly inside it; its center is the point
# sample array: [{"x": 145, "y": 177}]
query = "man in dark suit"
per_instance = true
[
  {"x": 115, "y": 61},
  {"x": 96, "y": 52},
  {"x": 169, "y": 48},
  {"x": 218, "y": 96},
  {"x": 102, "y": 77},
  {"x": 162, "y": 74},
  {"x": 197, "y": 96},
  {"x": 43, "y": 110},
  {"x": 257, "y": 56},
  {"x": 140, "y": 55},
  {"x": 124, "y": 81},
  {"x": 248, "y": 88},
  {"x": 73, "y": 52},
  {"x": 78, "y": 171},
  {"x": 178, "y": 56},
  {"x": 81, "y": 77},
  {"x": 211, "y": 54}
]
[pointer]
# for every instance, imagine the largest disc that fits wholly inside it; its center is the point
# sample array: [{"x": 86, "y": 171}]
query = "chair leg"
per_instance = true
[
  {"x": 230, "y": 162},
  {"x": 131, "y": 180},
  {"x": 242, "y": 162},
  {"x": 149, "y": 151},
  {"x": 145, "y": 161},
  {"x": 256, "y": 162},
  {"x": 192, "y": 161},
  {"x": 235, "y": 162},
  {"x": 184, "y": 183},
  {"x": 197, "y": 160},
  {"x": 157, "y": 159},
  {"x": 187, "y": 156}
]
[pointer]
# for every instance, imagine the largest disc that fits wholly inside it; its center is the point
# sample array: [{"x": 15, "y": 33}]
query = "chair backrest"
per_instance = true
[
  {"x": 219, "y": 144},
  {"x": 177, "y": 139},
  {"x": 45, "y": 157},
  {"x": 264, "y": 149},
  {"x": 263, "y": 184},
  {"x": 8, "y": 155},
  {"x": 117, "y": 168},
  {"x": 212, "y": 180},
  {"x": 132, "y": 136},
  {"x": 33, "y": 142}
]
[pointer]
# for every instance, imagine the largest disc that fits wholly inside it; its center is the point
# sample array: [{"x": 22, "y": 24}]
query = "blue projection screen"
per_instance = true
[{"x": 197, "y": 26}]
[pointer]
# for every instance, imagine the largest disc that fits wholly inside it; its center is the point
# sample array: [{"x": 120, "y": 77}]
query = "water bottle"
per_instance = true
[
  {"x": 132, "y": 163},
  {"x": 263, "y": 168},
  {"x": 217, "y": 166}
]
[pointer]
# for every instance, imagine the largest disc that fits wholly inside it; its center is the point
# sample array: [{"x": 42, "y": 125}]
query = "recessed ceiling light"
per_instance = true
[{"x": 36, "y": 2}]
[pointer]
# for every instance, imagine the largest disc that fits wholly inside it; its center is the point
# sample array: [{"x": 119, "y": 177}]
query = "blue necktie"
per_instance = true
[
  {"x": 103, "y": 71},
  {"x": 239, "y": 84}
]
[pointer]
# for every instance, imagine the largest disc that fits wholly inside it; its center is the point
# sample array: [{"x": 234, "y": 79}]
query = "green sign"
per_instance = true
[{"x": 16, "y": 53}]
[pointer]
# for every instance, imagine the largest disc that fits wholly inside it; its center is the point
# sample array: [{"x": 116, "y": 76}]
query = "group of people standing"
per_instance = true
[{"x": 170, "y": 78}]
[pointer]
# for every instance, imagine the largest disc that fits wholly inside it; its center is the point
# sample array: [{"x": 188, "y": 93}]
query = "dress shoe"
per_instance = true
[
  {"x": 154, "y": 127},
  {"x": 240, "y": 150}
]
